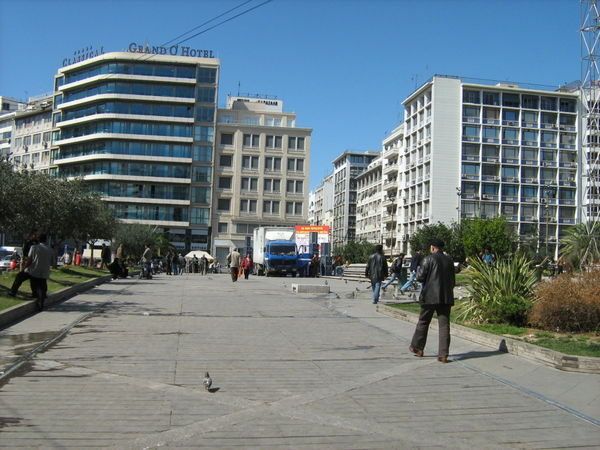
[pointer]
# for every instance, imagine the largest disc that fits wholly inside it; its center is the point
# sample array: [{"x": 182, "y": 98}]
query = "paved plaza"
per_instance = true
[{"x": 121, "y": 366}]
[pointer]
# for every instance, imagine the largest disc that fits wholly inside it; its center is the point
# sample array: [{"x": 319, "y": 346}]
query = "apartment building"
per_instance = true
[
  {"x": 322, "y": 203},
  {"x": 392, "y": 149},
  {"x": 140, "y": 128},
  {"x": 479, "y": 150},
  {"x": 8, "y": 108},
  {"x": 262, "y": 165},
  {"x": 346, "y": 168},
  {"x": 369, "y": 188}
]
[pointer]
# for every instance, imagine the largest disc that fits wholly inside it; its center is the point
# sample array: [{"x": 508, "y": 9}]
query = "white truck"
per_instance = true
[{"x": 274, "y": 251}]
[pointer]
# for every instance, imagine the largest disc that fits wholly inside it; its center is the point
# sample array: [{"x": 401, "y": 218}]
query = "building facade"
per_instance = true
[
  {"x": 8, "y": 109},
  {"x": 478, "y": 150},
  {"x": 261, "y": 171},
  {"x": 140, "y": 130},
  {"x": 346, "y": 168},
  {"x": 392, "y": 147},
  {"x": 322, "y": 204},
  {"x": 369, "y": 189}
]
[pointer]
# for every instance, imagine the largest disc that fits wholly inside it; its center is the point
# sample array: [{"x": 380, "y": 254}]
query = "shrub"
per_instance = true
[
  {"x": 568, "y": 303},
  {"x": 499, "y": 292}
]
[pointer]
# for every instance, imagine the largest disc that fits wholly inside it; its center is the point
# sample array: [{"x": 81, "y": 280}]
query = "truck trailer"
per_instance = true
[{"x": 274, "y": 251}]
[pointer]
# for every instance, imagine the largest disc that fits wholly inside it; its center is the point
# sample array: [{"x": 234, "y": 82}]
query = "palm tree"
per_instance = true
[{"x": 581, "y": 244}]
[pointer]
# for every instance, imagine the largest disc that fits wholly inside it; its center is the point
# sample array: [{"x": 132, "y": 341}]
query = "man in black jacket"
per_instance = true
[
  {"x": 415, "y": 264},
  {"x": 376, "y": 271},
  {"x": 437, "y": 295}
]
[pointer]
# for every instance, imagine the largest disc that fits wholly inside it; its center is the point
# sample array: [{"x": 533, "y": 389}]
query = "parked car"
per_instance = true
[{"x": 5, "y": 263}]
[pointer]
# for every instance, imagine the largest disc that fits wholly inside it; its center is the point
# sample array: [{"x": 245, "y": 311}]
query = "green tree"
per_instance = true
[
  {"x": 493, "y": 234},
  {"x": 581, "y": 244},
  {"x": 356, "y": 252},
  {"x": 451, "y": 235},
  {"x": 133, "y": 236}
]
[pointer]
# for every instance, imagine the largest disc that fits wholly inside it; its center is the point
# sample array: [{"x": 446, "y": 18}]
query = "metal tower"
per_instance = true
[{"x": 590, "y": 104}]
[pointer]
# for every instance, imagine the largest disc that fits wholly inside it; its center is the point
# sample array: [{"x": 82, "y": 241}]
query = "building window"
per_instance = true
[
  {"x": 202, "y": 153},
  {"x": 199, "y": 216},
  {"x": 206, "y": 75},
  {"x": 224, "y": 204},
  {"x": 250, "y": 120},
  {"x": 248, "y": 206},
  {"x": 226, "y": 138},
  {"x": 201, "y": 194},
  {"x": 272, "y": 185},
  {"x": 272, "y": 164},
  {"x": 250, "y": 162},
  {"x": 202, "y": 174},
  {"x": 530, "y": 101},
  {"x": 249, "y": 184},
  {"x": 251, "y": 140},
  {"x": 271, "y": 207},
  {"x": 226, "y": 160},
  {"x": 491, "y": 132},
  {"x": 293, "y": 208},
  {"x": 491, "y": 98},
  {"x": 205, "y": 94},
  {"x": 510, "y": 190},
  {"x": 295, "y": 186},
  {"x": 296, "y": 143},
  {"x": 295, "y": 165},
  {"x": 274, "y": 141},
  {"x": 530, "y": 117},
  {"x": 470, "y": 131},
  {"x": 548, "y": 103},
  {"x": 471, "y": 96},
  {"x": 202, "y": 133},
  {"x": 273, "y": 121},
  {"x": 511, "y": 100},
  {"x": 222, "y": 227},
  {"x": 205, "y": 114},
  {"x": 224, "y": 182}
]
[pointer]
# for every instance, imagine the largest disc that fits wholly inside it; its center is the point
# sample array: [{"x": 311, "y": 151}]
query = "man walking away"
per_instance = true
[
  {"x": 233, "y": 259},
  {"x": 23, "y": 275},
  {"x": 396, "y": 271},
  {"x": 40, "y": 257},
  {"x": 415, "y": 263},
  {"x": 437, "y": 295},
  {"x": 376, "y": 271}
]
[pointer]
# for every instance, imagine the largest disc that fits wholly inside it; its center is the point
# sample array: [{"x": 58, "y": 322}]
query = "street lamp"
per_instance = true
[{"x": 459, "y": 195}]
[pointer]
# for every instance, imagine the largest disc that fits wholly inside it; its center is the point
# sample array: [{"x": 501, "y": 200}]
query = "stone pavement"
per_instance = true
[{"x": 122, "y": 365}]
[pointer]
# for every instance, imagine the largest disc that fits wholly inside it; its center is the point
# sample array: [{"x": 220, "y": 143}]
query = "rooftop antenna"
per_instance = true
[
  {"x": 239, "y": 85},
  {"x": 590, "y": 116}
]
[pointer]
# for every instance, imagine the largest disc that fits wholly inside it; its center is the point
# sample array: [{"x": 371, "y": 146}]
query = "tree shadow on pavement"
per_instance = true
[{"x": 474, "y": 355}]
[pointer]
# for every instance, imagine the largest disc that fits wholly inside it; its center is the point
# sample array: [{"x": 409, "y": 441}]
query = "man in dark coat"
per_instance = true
[
  {"x": 376, "y": 271},
  {"x": 437, "y": 295}
]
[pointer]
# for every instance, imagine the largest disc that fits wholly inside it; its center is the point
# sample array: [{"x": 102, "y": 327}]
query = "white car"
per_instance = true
[{"x": 5, "y": 263}]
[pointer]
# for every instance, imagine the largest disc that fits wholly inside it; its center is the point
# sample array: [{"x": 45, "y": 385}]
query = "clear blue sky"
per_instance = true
[{"x": 343, "y": 66}]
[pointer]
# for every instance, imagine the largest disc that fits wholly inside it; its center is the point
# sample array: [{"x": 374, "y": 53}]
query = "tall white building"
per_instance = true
[
  {"x": 393, "y": 148},
  {"x": 8, "y": 109},
  {"x": 322, "y": 205},
  {"x": 369, "y": 188},
  {"x": 478, "y": 150},
  {"x": 262, "y": 165}
]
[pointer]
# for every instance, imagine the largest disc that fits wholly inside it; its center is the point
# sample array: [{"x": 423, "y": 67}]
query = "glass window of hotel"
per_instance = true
[
  {"x": 274, "y": 141},
  {"x": 568, "y": 157},
  {"x": 548, "y": 176},
  {"x": 272, "y": 185},
  {"x": 296, "y": 143},
  {"x": 204, "y": 114},
  {"x": 224, "y": 204},
  {"x": 548, "y": 103},
  {"x": 509, "y": 210},
  {"x": 548, "y": 118},
  {"x": 27, "y": 141},
  {"x": 511, "y": 100},
  {"x": 469, "y": 209},
  {"x": 491, "y": 98},
  {"x": 199, "y": 216},
  {"x": 226, "y": 138},
  {"x": 225, "y": 160},
  {"x": 470, "y": 188},
  {"x": 224, "y": 182},
  {"x": 510, "y": 190},
  {"x": 490, "y": 170},
  {"x": 251, "y": 140},
  {"x": 567, "y": 104},
  {"x": 18, "y": 142},
  {"x": 491, "y": 132},
  {"x": 530, "y": 101},
  {"x": 548, "y": 137},
  {"x": 202, "y": 174},
  {"x": 567, "y": 138},
  {"x": 510, "y": 115},
  {"x": 470, "y": 112},
  {"x": 248, "y": 206},
  {"x": 548, "y": 192},
  {"x": 530, "y": 155},
  {"x": 470, "y": 169},
  {"x": 489, "y": 209},
  {"x": 548, "y": 155},
  {"x": 293, "y": 208},
  {"x": 529, "y": 136},
  {"x": 273, "y": 121},
  {"x": 249, "y": 162},
  {"x": 491, "y": 152},
  {"x": 510, "y": 133},
  {"x": 201, "y": 194},
  {"x": 529, "y": 211},
  {"x": 206, "y": 75},
  {"x": 470, "y": 96},
  {"x": 529, "y": 173},
  {"x": 271, "y": 207},
  {"x": 202, "y": 153},
  {"x": 567, "y": 213},
  {"x": 510, "y": 172},
  {"x": 566, "y": 194},
  {"x": 529, "y": 192},
  {"x": 205, "y": 94},
  {"x": 249, "y": 184},
  {"x": 568, "y": 119},
  {"x": 37, "y": 138},
  {"x": 530, "y": 117},
  {"x": 251, "y": 120},
  {"x": 470, "y": 131},
  {"x": 489, "y": 189}
]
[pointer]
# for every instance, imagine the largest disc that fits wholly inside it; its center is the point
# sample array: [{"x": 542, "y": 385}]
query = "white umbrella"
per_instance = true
[{"x": 199, "y": 254}]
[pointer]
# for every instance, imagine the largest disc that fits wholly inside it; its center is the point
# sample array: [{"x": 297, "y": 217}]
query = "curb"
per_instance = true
[
  {"x": 18, "y": 312},
  {"x": 570, "y": 363}
]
